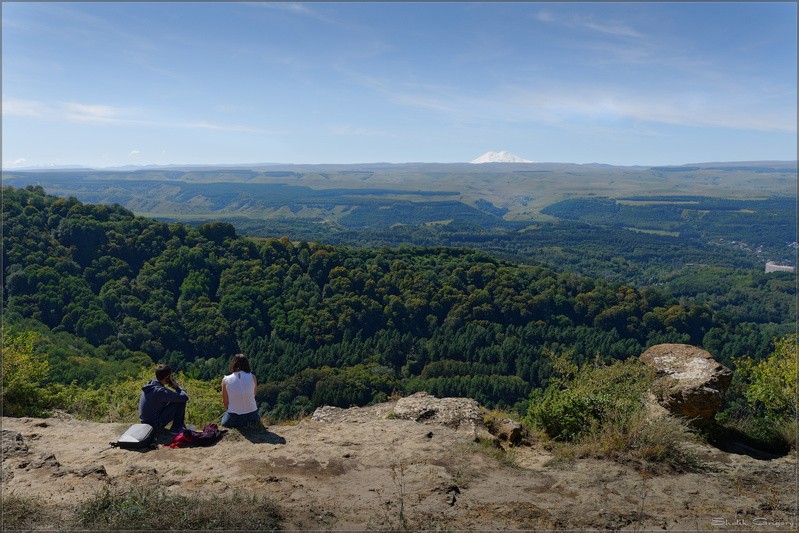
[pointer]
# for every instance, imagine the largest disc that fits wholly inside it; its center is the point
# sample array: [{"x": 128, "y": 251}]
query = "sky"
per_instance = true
[{"x": 112, "y": 84}]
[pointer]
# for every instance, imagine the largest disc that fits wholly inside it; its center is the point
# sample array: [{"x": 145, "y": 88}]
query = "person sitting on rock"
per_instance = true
[
  {"x": 238, "y": 394},
  {"x": 158, "y": 406}
]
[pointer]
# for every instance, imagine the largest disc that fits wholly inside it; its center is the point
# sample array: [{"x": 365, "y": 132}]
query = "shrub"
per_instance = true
[
  {"x": 773, "y": 380},
  {"x": 119, "y": 401},
  {"x": 761, "y": 404},
  {"x": 583, "y": 399},
  {"x": 600, "y": 411},
  {"x": 566, "y": 414}
]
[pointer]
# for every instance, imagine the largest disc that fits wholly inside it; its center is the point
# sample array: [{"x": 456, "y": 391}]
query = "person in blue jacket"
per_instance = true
[{"x": 158, "y": 406}]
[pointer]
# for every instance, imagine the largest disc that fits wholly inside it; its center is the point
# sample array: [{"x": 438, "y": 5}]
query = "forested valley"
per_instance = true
[{"x": 106, "y": 294}]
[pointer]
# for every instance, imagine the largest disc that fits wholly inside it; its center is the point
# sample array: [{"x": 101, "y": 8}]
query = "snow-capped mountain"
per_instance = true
[{"x": 500, "y": 157}]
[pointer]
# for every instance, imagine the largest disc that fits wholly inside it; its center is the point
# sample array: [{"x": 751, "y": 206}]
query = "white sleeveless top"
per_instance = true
[{"x": 240, "y": 387}]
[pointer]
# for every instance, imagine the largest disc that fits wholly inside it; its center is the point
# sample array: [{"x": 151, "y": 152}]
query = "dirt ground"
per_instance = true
[{"x": 364, "y": 470}]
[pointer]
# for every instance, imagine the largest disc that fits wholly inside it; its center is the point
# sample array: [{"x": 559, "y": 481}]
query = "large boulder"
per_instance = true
[{"x": 690, "y": 383}]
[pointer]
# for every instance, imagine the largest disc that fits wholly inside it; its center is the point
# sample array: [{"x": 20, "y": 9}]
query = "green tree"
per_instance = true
[
  {"x": 23, "y": 372},
  {"x": 774, "y": 380}
]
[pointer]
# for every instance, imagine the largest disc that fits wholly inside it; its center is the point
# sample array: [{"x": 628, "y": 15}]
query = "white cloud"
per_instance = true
[
  {"x": 70, "y": 111},
  {"x": 25, "y": 108},
  {"x": 134, "y": 153},
  {"x": 106, "y": 114},
  {"x": 15, "y": 163}
]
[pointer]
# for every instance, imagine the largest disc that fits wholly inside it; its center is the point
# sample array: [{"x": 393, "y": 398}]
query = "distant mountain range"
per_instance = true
[{"x": 500, "y": 157}]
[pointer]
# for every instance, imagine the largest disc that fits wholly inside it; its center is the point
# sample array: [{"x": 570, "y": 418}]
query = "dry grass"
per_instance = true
[
  {"x": 146, "y": 508},
  {"x": 653, "y": 445},
  {"x": 22, "y": 513}
]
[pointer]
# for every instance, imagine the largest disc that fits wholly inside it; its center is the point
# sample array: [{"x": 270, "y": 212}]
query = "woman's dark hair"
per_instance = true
[
  {"x": 162, "y": 371},
  {"x": 240, "y": 362}
]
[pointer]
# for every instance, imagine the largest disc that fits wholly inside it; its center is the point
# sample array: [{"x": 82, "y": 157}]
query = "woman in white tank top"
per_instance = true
[{"x": 238, "y": 394}]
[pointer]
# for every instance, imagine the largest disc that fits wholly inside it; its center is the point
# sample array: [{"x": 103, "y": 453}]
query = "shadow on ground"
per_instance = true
[
  {"x": 733, "y": 441},
  {"x": 258, "y": 434}
]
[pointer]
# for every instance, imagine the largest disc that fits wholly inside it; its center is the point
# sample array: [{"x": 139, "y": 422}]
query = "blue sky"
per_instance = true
[{"x": 106, "y": 84}]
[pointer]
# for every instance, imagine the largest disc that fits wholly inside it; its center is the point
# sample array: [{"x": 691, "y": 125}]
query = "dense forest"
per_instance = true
[
  {"x": 111, "y": 292},
  {"x": 760, "y": 223},
  {"x": 614, "y": 254}
]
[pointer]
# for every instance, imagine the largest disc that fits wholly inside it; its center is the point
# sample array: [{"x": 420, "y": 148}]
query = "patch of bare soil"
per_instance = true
[{"x": 363, "y": 470}]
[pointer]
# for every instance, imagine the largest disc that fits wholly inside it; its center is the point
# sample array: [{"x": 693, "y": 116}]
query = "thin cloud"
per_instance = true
[
  {"x": 294, "y": 8},
  {"x": 423, "y": 102},
  {"x": 608, "y": 104},
  {"x": 282, "y": 6},
  {"x": 361, "y": 132},
  {"x": 25, "y": 108},
  {"x": 103, "y": 114},
  {"x": 203, "y": 125},
  {"x": 97, "y": 113},
  {"x": 304, "y": 11},
  {"x": 612, "y": 29},
  {"x": 435, "y": 98}
]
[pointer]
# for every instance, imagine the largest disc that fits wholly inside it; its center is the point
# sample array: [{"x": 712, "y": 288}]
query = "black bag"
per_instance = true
[{"x": 137, "y": 437}]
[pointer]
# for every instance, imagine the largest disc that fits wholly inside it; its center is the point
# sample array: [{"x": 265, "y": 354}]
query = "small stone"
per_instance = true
[
  {"x": 93, "y": 469},
  {"x": 45, "y": 459}
]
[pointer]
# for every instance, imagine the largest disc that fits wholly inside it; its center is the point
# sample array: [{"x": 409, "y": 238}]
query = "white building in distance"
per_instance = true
[{"x": 774, "y": 267}]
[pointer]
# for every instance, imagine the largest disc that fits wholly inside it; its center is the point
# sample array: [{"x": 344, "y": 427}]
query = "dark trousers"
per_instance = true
[{"x": 174, "y": 412}]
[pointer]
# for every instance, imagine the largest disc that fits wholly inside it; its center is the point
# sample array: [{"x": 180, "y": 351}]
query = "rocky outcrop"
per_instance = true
[
  {"x": 450, "y": 412},
  {"x": 462, "y": 414},
  {"x": 689, "y": 383},
  {"x": 12, "y": 443}
]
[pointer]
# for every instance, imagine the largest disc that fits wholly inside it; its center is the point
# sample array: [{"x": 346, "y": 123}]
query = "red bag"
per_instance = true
[{"x": 207, "y": 437}]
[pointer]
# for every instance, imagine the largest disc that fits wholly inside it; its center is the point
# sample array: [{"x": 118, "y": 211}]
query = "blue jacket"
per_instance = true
[{"x": 154, "y": 396}]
